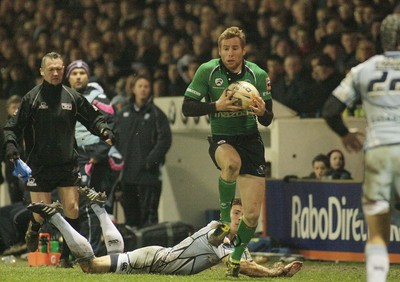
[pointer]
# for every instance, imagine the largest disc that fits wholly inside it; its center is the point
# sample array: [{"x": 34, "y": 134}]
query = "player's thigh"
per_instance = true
[
  {"x": 227, "y": 156},
  {"x": 379, "y": 173}
]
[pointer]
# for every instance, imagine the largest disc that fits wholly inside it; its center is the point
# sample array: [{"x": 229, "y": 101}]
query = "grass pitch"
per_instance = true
[{"x": 311, "y": 271}]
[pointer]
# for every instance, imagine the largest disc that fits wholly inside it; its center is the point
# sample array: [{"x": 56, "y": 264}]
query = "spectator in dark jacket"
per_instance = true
[
  {"x": 145, "y": 140},
  {"x": 326, "y": 79}
]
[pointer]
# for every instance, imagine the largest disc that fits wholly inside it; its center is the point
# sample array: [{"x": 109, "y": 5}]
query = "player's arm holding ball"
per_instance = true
[{"x": 263, "y": 102}]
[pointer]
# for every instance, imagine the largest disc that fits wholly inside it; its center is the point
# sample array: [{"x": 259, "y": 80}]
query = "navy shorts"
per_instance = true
[
  {"x": 249, "y": 147},
  {"x": 48, "y": 178}
]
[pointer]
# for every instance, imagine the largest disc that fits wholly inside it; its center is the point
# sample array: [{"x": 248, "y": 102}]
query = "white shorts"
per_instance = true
[{"x": 382, "y": 175}]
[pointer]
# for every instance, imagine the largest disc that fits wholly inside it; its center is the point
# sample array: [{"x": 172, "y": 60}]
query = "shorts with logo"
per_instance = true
[
  {"x": 48, "y": 178},
  {"x": 249, "y": 147}
]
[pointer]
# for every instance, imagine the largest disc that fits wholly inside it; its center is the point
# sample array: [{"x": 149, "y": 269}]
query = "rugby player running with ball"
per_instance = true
[{"x": 236, "y": 146}]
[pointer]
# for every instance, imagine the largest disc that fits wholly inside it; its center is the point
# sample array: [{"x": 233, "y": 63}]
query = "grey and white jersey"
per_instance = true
[
  {"x": 377, "y": 83},
  {"x": 193, "y": 255}
]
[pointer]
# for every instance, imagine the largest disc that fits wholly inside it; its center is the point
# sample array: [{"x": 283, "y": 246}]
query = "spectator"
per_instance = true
[
  {"x": 320, "y": 166},
  {"x": 337, "y": 164},
  {"x": 274, "y": 66},
  {"x": 176, "y": 85},
  {"x": 365, "y": 50},
  {"x": 292, "y": 87},
  {"x": 349, "y": 40},
  {"x": 326, "y": 79},
  {"x": 283, "y": 46},
  {"x": 145, "y": 138},
  {"x": 18, "y": 83},
  {"x": 335, "y": 51},
  {"x": 16, "y": 186}
]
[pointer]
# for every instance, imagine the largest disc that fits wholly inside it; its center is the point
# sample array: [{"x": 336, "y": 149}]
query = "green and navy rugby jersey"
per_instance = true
[{"x": 209, "y": 83}]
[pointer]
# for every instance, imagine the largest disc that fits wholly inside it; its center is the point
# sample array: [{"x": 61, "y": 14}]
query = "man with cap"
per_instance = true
[
  {"x": 93, "y": 152},
  {"x": 45, "y": 122}
]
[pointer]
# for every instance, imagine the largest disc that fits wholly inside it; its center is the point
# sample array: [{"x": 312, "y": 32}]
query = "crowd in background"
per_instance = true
[{"x": 168, "y": 39}]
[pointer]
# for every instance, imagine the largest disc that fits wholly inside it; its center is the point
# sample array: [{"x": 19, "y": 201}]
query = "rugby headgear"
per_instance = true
[{"x": 390, "y": 32}]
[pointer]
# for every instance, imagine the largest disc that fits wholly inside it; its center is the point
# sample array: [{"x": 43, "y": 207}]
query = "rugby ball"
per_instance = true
[{"x": 243, "y": 93}]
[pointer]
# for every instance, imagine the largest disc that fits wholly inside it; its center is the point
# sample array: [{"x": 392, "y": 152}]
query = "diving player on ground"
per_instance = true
[{"x": 191, "y": 256}]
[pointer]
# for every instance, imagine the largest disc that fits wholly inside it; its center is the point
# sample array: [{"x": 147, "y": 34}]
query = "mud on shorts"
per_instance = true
[
  {"x": 48, "y": 178},
  {"x": 249, "y": 147}
]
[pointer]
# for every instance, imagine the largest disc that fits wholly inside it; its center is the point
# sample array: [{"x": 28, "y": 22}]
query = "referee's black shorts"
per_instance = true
[{"x": 48, "y": 178}]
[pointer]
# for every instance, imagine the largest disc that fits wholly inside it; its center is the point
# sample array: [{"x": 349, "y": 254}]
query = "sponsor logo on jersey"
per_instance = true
[
  {"x": 124, "y": 266},
  {"x": 66, "y": 106},
  {"x": 231, "y": 114},
  {"x": 219, "y": 81},
  {"x": 190, "y": 90},
  {"x": 31, "y": 182},
  {"x": 43, "y": 106}
]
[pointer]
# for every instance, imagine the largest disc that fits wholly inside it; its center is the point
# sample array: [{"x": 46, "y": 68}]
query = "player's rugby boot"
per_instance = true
[
  {"x": 91, "y": 196},
  {"x": 232, "y": 268},
  {"x": 217, "y": 238},
  {"x": 45, "y": 210}
]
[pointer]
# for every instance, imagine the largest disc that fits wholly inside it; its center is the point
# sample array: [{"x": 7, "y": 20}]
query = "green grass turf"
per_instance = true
[{"x": 312, "y": 271}]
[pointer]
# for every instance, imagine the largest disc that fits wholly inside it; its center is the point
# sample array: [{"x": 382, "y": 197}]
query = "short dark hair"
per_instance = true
[
  {"x": 236, "y": 201},
  {"x": 321, "y": 158}
]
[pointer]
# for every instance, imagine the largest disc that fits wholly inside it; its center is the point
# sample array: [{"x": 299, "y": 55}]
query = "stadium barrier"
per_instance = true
[{"x": 322, "y": 220}]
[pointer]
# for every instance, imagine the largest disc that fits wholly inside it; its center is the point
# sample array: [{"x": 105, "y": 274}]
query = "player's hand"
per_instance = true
[
  {"x": 108, "y": 136},
  {"x": 12, "y": 152},
  {"x": 226, "y": 102},
  {"x": 352, "y": 141},
  {"x": 259, "y": 107}
]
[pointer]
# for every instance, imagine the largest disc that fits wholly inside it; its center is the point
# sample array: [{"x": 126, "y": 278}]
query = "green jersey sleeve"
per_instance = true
[{"x": 198, "y": 88}]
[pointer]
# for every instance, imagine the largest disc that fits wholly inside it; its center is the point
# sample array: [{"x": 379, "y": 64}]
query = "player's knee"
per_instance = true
[
  {"x": 71, "y": 209},
  {"x": 376, "y": 207},
  {"x": 232, "y": 167},
  {"x": 251, "y": 219}
]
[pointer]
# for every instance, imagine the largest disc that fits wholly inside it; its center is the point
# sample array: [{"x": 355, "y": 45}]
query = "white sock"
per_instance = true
[
  {"x": 377, "y": 262},
  {"x": 79, "y": 245},
  {"x": 112, "y": 237}
]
